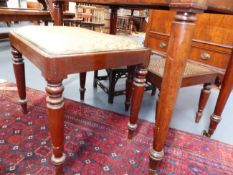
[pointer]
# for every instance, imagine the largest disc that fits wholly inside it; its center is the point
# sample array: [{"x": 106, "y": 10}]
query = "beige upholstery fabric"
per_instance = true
[
  {"x": 156, "y": 66},
  {"x": 60, "y": 40}
]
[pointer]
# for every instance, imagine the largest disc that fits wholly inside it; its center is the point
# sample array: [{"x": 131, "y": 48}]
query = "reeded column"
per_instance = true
[
  {"x": 178, "y": 51},
  {"x": 55, "y": 108},
  {"x": 138, "y": 90},
  {"x": 225, "y": 92},
  {"x": 19, "y": 71},
  {"x": 205, "y": 94}
]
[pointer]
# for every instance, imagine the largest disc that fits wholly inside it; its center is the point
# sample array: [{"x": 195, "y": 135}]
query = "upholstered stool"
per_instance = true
[{"x": 59, "y": 51}]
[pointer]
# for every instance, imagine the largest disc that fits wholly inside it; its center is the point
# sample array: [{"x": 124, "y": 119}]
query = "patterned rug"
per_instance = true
[{"x": 96, "y": 142}]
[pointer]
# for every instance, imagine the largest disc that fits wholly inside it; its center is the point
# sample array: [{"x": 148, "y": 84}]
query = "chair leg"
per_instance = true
[
  {"x": 95, "y": 79},
  {"x": 19, "y": 71},
  {"x": 178, "y": 50},
  {"x": 55, "y": 108},
  {"x": 82, "y": 88},
  {"x": 153, "y": 91},
  {"x": 112, "y": 83},
  {"x": 225, "y": 91},
  {"x": 157, "y": 103},
  {"x": 138, "y": 89},
  {"x": 204, "y": 96},
  {"x": 129, "y": 86}
]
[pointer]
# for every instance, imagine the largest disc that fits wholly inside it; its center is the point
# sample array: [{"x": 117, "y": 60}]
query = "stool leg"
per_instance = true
[
  {"x": 138, "y": 89},
  {"x": 129, "y": 86},
  {"x": 95, "y": 79},
  {"x": 19, "y": 71},
  {"x": 225, "y": 91},
  {"x": 55, "y": 108},
  {"x": 82, "y": 88},
  {"x": 204, "y": 96},
  {"x": 112, "y": 83}
]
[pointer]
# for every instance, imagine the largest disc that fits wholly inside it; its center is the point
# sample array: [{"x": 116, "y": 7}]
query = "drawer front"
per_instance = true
[
  {"x": 209, "y": 57},
  {"x": 157, "y": 45},
  {"x": 212, "y": 55}
]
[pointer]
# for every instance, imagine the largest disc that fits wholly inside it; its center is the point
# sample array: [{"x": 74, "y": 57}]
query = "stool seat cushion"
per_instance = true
[
  {"x": 61, "y": 40},
  {"x": 156, "y": 66}
]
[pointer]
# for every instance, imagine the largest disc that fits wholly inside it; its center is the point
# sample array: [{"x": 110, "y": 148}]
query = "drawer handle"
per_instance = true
[
  {"x": 205, "y": 56},
  {"x": 162, "y": 45}
]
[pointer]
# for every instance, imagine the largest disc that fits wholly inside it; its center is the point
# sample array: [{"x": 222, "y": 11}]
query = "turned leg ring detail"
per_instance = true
[{"x": 155, "y": 155}]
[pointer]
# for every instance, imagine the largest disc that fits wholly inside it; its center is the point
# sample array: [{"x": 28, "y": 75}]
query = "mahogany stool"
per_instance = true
[{"x": 58, "y": 51}]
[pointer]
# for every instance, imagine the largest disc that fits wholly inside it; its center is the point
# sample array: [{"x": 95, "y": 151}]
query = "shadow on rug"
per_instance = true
[{"x": 96, "y": 142}]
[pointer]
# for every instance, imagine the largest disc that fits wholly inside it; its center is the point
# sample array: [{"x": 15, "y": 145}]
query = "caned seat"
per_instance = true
[
  {"x": 156, "y": 66},
  {"x": 194, "y": 74},
  {"x": 59, "y": 51}
]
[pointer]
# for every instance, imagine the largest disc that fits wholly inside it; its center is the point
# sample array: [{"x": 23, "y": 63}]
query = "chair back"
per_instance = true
[
  {"x": 90, "y": 13},
  {"x": 50, "y": 8}
]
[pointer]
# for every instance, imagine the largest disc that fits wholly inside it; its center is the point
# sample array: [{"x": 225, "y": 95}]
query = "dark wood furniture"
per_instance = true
[
  {"x": 208, "y": 47},
  {"x": 178, "y": 50},
  {"x": 113, "y": 75},
  {"x": 124, "y": 24},
  {"x": 19, "y": 14},
  {"x": 56, "y": 63}
]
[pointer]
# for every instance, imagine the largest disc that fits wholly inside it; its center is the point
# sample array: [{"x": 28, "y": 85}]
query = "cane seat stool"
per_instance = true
[
  {"x": 194, "y": 74},
  {"x": 58, "y": 51}
]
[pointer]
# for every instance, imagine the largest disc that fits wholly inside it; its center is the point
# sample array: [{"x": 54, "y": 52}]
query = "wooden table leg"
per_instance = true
[
  {"x": 20, "y": 78},
  {"x": 138, "y": 89},
  {"x": 177, "y": 53},
  {"x": 225, "y": 91},
  {"x": 82, "y": 88},
  {"x": 204, "y": 96},
  {"x": 55, "y": 107}
]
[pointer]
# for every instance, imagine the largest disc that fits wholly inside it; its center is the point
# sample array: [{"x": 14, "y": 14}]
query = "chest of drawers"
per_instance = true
[{"x": 212, "y": 42}]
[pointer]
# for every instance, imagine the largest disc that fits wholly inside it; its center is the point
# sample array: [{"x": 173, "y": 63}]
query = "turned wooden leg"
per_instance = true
[
  {"x": 55, "y": 107},
  {"x": 129, "y": 86},
  {"x": 177, "y": 53},
  {"x": 112, "y": 83},
  {"x": 138, "y": 89},
  {"x": 20, "y": 78},
  {"x": 95, "y": 79},
  {"x": 225, "y": 91},
  {"x": 82, "y": 88},
  {"x": 205, "y": 93},
  {"x": 157, "y": 103}
]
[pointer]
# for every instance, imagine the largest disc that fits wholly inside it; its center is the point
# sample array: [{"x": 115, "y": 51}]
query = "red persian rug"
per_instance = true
[{"x": 96, "y": 142}]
